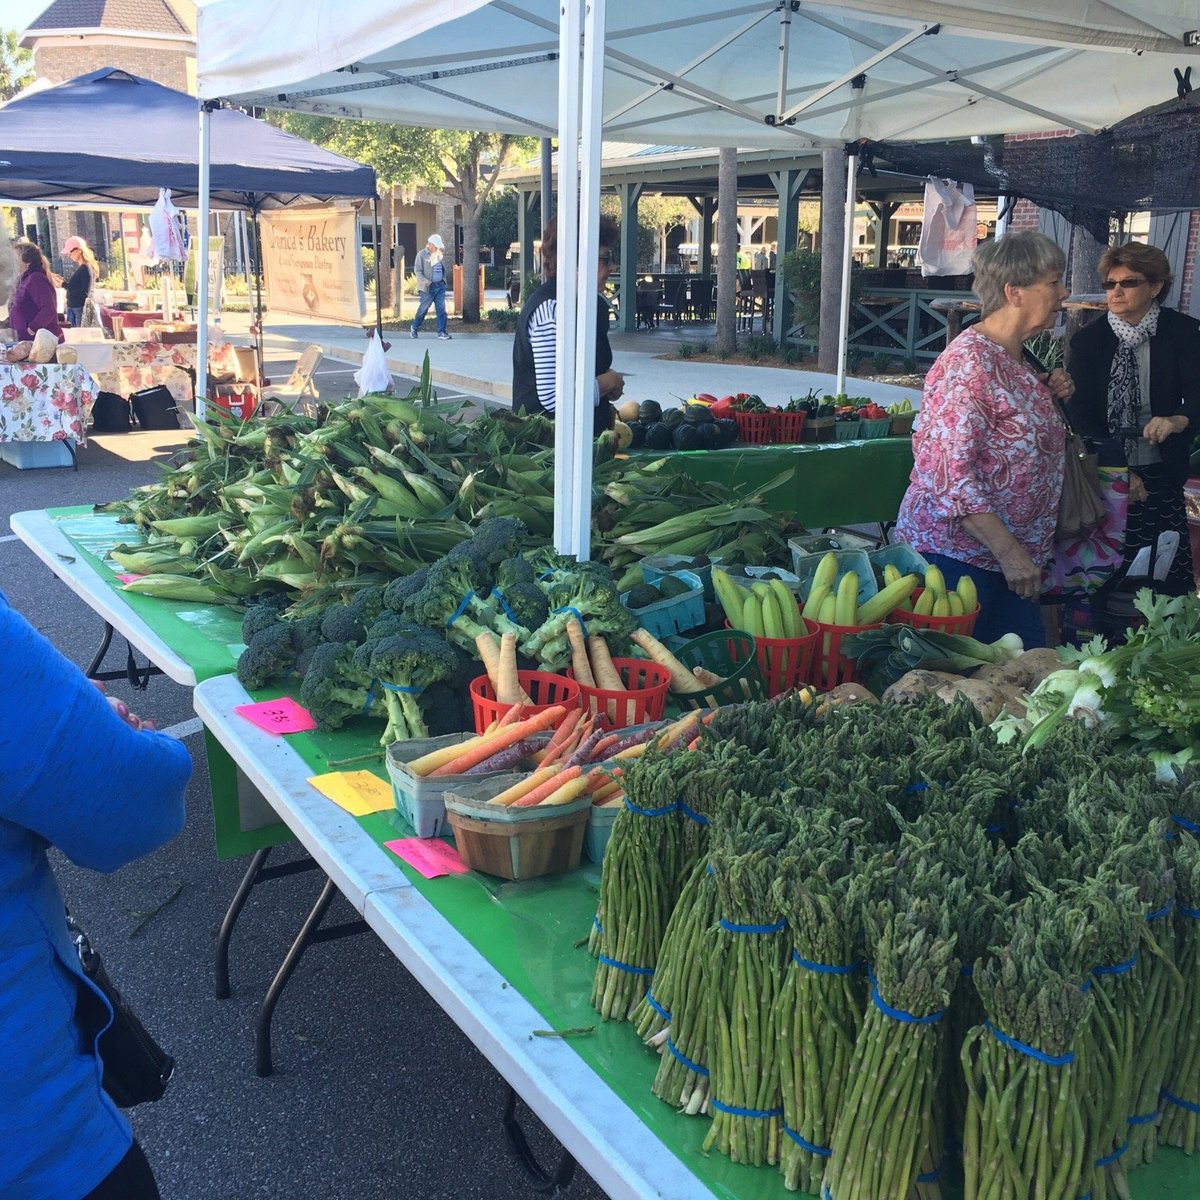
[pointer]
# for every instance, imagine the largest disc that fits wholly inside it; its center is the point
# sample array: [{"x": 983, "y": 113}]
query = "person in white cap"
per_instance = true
[
  {"x": 82, "y": 280},
  {"x": 430, "y": 271}
]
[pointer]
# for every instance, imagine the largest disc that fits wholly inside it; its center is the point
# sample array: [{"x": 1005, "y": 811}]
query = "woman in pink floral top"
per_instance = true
[{"x": 988, "y": 447}]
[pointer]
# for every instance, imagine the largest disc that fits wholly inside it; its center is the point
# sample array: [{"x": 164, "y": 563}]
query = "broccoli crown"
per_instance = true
[
  {"x": 446, "y": 586},
  {"x": 334, "y": 687},
  {"x": 546, "y": 559},
  {"x": 306, "y": 631},
  {"x": 261, "y": 614},
  {"x": 413, "y": 660},
  {"x": 398, "y": 592},
  {"x": 388, "y": 624},
  {"x": 512, "y": 571},
  {"x": 342, "y": 623},
  {"x": 269, "y": 655},
  {"x": 367, "y": 603},
  {"x": 498, "y": 538},
  {"x": 526, "y": 602}
]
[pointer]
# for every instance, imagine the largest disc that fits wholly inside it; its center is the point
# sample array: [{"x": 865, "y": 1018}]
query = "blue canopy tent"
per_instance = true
[{"x": 110, "y": 137}]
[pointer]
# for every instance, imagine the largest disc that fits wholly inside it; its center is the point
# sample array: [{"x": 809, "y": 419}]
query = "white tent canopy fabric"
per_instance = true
[{"x": 759, "y": 74}]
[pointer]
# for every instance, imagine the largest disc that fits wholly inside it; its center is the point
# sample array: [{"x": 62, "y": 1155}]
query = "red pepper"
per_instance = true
[
  {"x": 724, "y": 407},
  {"x": 704, "y": 398}
]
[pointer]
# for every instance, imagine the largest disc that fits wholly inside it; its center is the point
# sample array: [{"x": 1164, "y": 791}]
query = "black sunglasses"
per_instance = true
[{"x": 1126, "y": 285}]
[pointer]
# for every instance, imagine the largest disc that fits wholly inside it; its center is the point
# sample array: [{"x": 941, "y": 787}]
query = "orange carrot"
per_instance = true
[
  {"x": 436, "y": 758},
  {"x": 501, "y": 740},
  {"x": 603, "y": 744},
  {"x": 514, "y": 713},
  {"x": 507, "y": 796},
  {"x": 568, "y": 726},
  {"x": 538, "y": 794}
]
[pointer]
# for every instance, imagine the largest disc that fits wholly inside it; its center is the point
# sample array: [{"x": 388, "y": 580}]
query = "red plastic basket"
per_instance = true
[
  {"x": 544, "y": 689},
  {"x": 964, "y": 624},
  {"x": 830, "y": 665},
  {"x": 789, "y": 427},
  {"x": 644, "y": 697},
  {"x": 786, "y": 663},
  {"x": 756, "y": 429}
]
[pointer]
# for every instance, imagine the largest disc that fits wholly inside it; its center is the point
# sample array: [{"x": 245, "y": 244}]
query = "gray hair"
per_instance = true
[{"x": 1017, "y": 258}]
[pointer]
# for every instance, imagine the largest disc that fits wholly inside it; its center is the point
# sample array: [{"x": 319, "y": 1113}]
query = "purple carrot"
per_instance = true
[
  {"x": 584, "y": 749},
  {"x": 505, "y": 760},
  {"x": 634, "y": 739}
]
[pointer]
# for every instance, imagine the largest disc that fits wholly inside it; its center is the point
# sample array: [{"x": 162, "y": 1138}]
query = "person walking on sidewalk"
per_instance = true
[{"x": 430, "y": 270}]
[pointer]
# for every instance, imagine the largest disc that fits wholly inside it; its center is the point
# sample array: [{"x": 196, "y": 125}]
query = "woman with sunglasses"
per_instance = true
[
  {"x": 1137, "y": 400},
  {"x": 534, "y": 352}
]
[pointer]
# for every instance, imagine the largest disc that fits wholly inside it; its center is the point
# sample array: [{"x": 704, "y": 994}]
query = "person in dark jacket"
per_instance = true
[
  {"x": 73, "y": 775},
  {"x": 34, "y": 305},
  {"x": 82, "y": 279},
  {"x": 534, "y": 353},
  {"x": 1137, "y": 400}
]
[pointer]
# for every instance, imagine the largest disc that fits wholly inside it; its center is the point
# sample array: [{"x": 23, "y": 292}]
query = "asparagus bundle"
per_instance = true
[
  {"x": 820, "y": 1008},
  {"x": 1181, "y": 1094},
  {"x": 1024, "y": 1134},
  {"x": 883, "y": 1127},
  {"x": 746, "y": 953}
]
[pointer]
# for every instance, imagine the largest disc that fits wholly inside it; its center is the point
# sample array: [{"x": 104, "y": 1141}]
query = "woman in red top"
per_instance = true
[
  {"x": 34, "y": 305},
  {"x": 988, "y": 447}
]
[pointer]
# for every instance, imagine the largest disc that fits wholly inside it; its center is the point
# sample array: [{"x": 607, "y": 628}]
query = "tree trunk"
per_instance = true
[
  {"x": 470, "y": 264},
  {"x": 833, "y": 216},
  {"x": 727, "y": 249},
  {"x": 386, "y": 246}
]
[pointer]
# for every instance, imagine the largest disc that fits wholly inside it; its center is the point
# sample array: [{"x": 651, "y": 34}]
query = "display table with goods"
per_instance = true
[
  {"x": 44, "y": 410},
  {"x": 130, "y": 366}
]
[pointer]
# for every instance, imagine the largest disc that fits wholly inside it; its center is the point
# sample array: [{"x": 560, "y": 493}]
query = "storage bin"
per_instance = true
[
  {"x": 964, "y": 624},
  {"x": 732, "y": 655},
  {"x": 658, "y": 565},
  {"x": 805, "y": 566},
  {"x": 819, "y": 429},
  {"x": 516, "y": 843},
  {"x": 899, "y": 555},
  {"x": 643, "y": 700},
  {"x": 420, "y": 801},
  {"x": 34, "y": 456},
  {"x": 830, "y": 666},
  {"x": 599, "y": 830},
  {"x": 789, "y": 427},
  {"x": 786, "y": 663},
  {"x": 543, "y": 688},
  {"x": 745, "y": 576},
  {"x": 819, "y": 543},
  {"x": 677, "y": 614},
  {"x": 755, "y": 429},
  {"x": 902, "y": 424},
  {"x": 878, "y": 427},
  {"x": 847, "y": 431}
]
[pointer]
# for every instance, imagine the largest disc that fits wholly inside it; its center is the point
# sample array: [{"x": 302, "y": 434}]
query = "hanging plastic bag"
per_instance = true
[
  {"x": 166, "y": 228},
  {"x": 373, "y": 375},
  {"x": 947, "y": 228}
]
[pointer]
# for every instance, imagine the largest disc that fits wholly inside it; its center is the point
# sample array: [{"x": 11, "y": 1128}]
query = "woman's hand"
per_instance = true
[
  {"x": 611, "y": 384},
  {"x": 1020, "y": 573},
  {"x": 1137, "y": 489},
  {"x": 1158, "y": 429},
  {"x": 122, "y": 709},
  {"x": 1061, "y": 385}
]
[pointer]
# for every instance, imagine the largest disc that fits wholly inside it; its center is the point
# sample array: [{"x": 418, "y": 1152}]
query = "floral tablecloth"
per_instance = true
[
  {"x": 128, "y": 367},
  {"x": 45, "y": 402}
]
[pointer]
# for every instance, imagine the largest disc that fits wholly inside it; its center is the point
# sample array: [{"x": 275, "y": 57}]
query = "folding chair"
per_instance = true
[{"x": 299, "y": 393}]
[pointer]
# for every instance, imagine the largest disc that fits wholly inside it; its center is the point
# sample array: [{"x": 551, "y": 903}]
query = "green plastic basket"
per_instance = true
[{"x": 731, "y": 654}]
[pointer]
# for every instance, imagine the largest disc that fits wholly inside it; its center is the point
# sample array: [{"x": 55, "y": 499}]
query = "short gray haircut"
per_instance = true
[{"x": 1017, "y": 258}]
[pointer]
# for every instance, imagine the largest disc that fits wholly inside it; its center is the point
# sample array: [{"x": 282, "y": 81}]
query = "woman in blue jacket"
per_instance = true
[{"x": 73, "y": 775}]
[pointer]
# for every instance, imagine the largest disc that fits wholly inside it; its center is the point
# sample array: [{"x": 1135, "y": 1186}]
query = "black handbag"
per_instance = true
[
  {"x": 110, "y": 413},
  {"x": 136, "y": 1068},
  {"x": 155, "y": 408}
]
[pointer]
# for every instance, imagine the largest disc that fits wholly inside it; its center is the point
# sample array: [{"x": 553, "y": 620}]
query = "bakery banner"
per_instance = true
[{"x": 313, "y": 264}]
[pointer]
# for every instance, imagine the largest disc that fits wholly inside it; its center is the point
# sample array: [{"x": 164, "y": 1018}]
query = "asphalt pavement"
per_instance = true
[{"x": 376, "y": 1094}]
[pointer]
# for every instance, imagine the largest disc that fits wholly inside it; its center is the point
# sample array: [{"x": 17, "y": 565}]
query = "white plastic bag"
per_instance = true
[
  {"x": 947, "y": 229},
  {"x": 165, "y": 228},
  {"x": 373, "y": 375}
]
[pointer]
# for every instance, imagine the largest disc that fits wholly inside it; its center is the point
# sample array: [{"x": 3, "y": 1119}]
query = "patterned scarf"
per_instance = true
[{"x": 1124, "y": 382}]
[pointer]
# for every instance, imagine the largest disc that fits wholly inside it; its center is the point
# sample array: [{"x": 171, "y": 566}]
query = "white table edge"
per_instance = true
[
  {"x": 604, "y": 1135},
  {"x": 39, "y": 531}
]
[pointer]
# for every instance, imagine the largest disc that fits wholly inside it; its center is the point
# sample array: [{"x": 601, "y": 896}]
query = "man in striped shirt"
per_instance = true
[{"x": 534, "y": 344}]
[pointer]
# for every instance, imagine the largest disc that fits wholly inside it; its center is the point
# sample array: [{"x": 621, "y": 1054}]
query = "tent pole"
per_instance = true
[
  {"x": 124, "y": 253},
  {"x": 202, "y": 200},
  {"x": 258, "y": 309},
  {"x": 847, "y": 265},
  {"x": 378, "y": 240}
]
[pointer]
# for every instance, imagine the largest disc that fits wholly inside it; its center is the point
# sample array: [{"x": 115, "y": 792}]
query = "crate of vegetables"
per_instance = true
[
  {"x": 656, "y": 566},
  {"x": 673, "y": 604},
  {"x": 876, "y": 421}
]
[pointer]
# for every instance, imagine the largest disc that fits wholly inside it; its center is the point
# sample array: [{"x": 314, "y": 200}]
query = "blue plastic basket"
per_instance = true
[
  {"x": 847, "y": 560},
  {"x": 899, "y": 555},
  {"x": 677, "y": 614},
  {"x": 658, "y": 565}
]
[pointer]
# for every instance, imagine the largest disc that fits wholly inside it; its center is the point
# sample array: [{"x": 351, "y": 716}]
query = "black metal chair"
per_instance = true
[{"x": 673, "y": 300}]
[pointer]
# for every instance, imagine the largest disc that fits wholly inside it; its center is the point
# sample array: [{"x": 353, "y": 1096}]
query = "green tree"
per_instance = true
[
  {"x": 661, "y": 214},
  {"x": 16, "y": 65}
]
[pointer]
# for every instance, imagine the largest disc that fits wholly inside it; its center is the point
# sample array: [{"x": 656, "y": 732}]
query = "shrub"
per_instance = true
[
  {"x": 723, "y": 352},
  {"x": 882, "y": 363},
  {"x": 854, "y": 360},
  {"x": 1048, "y": 348},
  {"x": 502, "y": 320},
  {"x": 761, "y": 345},
  {"x": 802, "y": 275},
  {"x": 686, "y": 350}
]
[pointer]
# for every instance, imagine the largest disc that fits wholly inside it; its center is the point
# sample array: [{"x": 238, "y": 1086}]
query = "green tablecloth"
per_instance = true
[{"x": 839, "y": 483}]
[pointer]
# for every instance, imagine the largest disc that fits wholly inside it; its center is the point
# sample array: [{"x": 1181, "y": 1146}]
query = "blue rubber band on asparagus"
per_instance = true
[
  {"x": 508, "y": 612},
  {"x": 731, "y": 927},
  {"x": 694, "y": 1067},
  {"x": 620, "y": 966},
  {"x": 1159, "y": 913},
  {"x": 462, "y": 608},
  {"x": 576, "y": 614},
  {"x": 966, "y": 970},
  {"x": 1051, "y": 1060},
  {"x": 934, "y": 1175},
  {"x": 898, "y": 1014},
  {"x": 665, "y": 811},
  {"x": 1109, "y": 1159},
  {"x": 1194, "y": 913},
  {"x": 1143, "y": 1119},
  {"x": 993, "y": 829},
  {"x": 805, "y": 1144},
  {"x": 1117, "y": 968},
  {"x": 913, "y": 788},
  {"x": 691, "y": 815},
  {"x": 826, "y": 1194},
  {"x": 1184, "y": 823},
  {"x": 658, "y": 1008},
  {"x": 1186, "y": 1105},
  {"x": 403, "y": 691},
  {"x": 596, "y": 923},
  {"x": 825, "y": 968},
  {"x": 734, "y": 1111}
]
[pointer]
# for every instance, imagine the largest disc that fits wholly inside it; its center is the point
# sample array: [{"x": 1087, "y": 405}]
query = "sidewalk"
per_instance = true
[{"x": 481, "y": 363}]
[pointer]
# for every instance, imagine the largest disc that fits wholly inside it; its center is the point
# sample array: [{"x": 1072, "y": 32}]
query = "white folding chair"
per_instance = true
[{"x": 299, "y": 393}]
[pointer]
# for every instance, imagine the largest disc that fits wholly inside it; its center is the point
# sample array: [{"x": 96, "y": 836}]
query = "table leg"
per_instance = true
[
  {"x": 544, "y": 1182},
  {"x": 139, "y": 679},
  {"x": 102, "y": 650},
  {"x": 309, "y": 934}
]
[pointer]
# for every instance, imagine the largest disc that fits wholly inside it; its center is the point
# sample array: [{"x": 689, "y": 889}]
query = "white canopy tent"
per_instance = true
[{"x": 758, "y": 74}]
